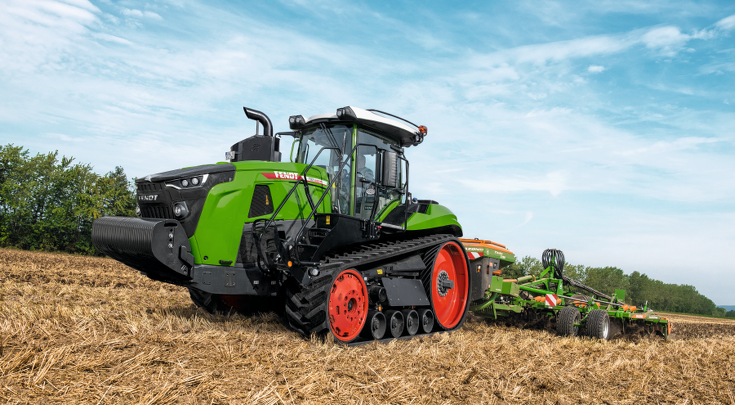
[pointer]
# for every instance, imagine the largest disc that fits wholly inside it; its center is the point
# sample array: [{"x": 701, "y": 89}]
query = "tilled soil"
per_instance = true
[{"x": 90, "y": 330}]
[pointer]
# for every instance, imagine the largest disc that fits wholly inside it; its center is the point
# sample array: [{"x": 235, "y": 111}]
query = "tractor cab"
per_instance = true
[{"x": 362, "y": 151}]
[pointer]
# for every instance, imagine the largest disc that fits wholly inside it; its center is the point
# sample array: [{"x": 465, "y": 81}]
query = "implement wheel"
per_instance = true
[
  {"x": 566, "y": 319},
  {"x": 449, "y": 288},
  {"x": 598, "y": 324},
  {"x": 348, "y": 305}
]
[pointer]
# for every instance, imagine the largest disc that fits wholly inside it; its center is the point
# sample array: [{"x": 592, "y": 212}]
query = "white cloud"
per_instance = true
[
  {"x": 139, "y": 13},
  {"x": 669, "y": 146},
  {"x": 537, "y": 96},
  {"x": 553, "y": 182},
  {"x": 85, "y": 4},
  {"x": 64, "y": 137},
  {"x": 726, "y": 23},
  {"x": 577, "y": 48},
  {"x": 666, "y": 40},
  {"x": 111, "y": 38},
  {"x": 596, "y": 69}
]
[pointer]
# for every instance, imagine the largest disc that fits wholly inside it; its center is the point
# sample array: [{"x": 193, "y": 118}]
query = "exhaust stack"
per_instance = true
[
  {"x": 257, "y": 147},
  {"x": 256, "y": 115}
]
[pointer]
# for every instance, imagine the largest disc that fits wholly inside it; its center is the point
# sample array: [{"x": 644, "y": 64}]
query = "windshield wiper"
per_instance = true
[{"x": 329, "y": 134}]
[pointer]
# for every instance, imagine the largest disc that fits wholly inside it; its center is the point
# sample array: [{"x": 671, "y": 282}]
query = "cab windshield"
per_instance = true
[{"x": 334, "y": 136}]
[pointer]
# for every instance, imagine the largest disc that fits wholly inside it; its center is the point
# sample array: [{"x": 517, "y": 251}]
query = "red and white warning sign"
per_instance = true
[
  {"x": 551, "y": 300},
  {"x": 474, "y": 255}
]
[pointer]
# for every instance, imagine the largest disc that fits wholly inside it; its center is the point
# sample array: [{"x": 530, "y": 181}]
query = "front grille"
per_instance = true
[
  {"x": 262, "y": 203},
  {"x": 147, "y": 187},
  {"x": 156, "y": 211}
]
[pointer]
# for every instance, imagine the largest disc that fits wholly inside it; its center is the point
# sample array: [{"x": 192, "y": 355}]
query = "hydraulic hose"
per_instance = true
[{"x": 555, "y": 258}]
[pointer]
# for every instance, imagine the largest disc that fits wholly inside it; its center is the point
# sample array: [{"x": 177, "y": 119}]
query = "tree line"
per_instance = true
[
  {"x": 639, "y": 288},
  {"x": 49, "y": 203}
]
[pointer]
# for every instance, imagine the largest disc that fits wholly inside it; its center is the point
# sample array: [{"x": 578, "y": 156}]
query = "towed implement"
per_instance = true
[
  {"x": 332, "y": 239},
  {"x": 547, "y": 300}
]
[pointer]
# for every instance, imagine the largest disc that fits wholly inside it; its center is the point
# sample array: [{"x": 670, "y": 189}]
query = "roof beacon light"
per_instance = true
[
  {"x": 296, "y": 121},
  {"x": 423, "y": 129}
]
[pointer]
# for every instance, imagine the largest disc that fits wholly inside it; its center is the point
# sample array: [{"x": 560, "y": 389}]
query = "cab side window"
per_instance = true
[{"x": 365, "y": 187}]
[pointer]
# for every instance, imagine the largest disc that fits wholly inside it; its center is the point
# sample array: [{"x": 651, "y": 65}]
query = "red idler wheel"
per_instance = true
[
  {"x": 348, "y": 305},
  {"x": 450, "y": 282}
]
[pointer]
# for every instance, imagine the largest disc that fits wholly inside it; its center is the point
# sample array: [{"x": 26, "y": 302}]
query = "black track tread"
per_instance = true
[
  {"x": 429, "y": 258},
  {"x": 595, "y": 322},
  {"x": 566, "y": 318},
  {"x": 306, "y": 306},
  {"x": 206, "y": 301}
]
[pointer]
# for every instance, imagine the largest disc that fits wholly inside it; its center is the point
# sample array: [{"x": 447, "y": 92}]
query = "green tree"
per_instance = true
[
  {"x": 606, "y": 279},
  {"x": 49, "y": 203},
  {"x": 526, "y": 266}
]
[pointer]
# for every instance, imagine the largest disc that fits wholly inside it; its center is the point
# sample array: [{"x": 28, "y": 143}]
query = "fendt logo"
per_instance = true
[{"x": 149, "y": 197}]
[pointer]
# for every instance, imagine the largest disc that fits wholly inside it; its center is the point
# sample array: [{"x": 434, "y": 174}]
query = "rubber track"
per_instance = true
[{"x": 306, "y": 306}]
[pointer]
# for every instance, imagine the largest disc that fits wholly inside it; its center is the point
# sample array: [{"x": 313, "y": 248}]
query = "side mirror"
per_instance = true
[{"x": 389, "y": 177}]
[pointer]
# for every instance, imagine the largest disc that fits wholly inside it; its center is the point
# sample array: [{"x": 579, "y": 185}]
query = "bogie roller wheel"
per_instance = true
[
  {"x": 566, "y": 319},
  {"x": 427, "y": 320},
  {"x": 412, "y": 321},
  {"x": 348, "y": 305},
  {"x": 598, "y": 324},
  {"x": 376, "y": 326},
  {"x": 395, "y": 322},
  {"x": 448, "y": 286}
]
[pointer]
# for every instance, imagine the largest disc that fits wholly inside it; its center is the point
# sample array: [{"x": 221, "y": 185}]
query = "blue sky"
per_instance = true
[{"x": 603, "y": 129}]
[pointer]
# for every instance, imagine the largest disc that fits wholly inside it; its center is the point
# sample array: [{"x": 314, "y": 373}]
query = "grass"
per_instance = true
[{"x": 90, "y": 330}]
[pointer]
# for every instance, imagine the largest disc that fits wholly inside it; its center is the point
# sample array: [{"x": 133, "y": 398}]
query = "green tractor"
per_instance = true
[{"x": 332, "y": 240}]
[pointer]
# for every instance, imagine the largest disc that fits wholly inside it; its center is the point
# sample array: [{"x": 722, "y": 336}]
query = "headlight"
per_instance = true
[
  {"x": 137, "y": 210},
  {"x": 195, "y": 181},
  {"x": 181, "y": 210},
  {"x": 296, "y": 121},
  {"x": 184, "y": 182}
]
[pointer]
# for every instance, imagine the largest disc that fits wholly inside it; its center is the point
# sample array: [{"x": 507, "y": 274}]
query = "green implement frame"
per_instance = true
[{"x": 548, "y": 295}]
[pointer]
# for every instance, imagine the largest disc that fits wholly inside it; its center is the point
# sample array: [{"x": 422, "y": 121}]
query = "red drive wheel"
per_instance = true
[
  {"x": 450, "y": 285},
  {"x": 348, "y": 305}
]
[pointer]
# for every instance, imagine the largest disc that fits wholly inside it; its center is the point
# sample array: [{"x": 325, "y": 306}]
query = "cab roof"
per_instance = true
[{"x": 396, "y": 130}]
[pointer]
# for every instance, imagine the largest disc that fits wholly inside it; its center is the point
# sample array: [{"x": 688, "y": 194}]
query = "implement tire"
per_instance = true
[
  {"x": 598, "y": 324},
  {"x": 565, "y": 321}
]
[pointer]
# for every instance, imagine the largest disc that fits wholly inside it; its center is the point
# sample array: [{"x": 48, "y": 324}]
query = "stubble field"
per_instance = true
[{"x": 90, "y": 330}]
